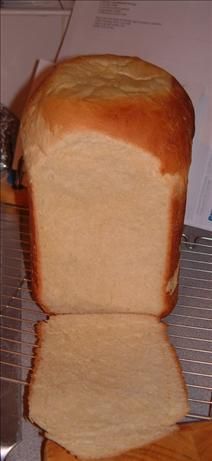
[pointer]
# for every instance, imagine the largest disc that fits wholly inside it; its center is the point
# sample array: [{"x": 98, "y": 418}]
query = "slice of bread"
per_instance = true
[
  {"x": 107, "y": 145},
  {"x": 105, "y": 383}
]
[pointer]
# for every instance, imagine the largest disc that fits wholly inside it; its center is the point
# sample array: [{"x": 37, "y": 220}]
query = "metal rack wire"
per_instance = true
[{"x": 189, "y": 325}]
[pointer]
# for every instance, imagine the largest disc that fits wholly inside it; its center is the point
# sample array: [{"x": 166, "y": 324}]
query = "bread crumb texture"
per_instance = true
[{"x": 106, "y": 383}]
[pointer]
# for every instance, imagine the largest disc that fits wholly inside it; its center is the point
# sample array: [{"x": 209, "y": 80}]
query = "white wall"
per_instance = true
[{"x": 26, "y": 36}]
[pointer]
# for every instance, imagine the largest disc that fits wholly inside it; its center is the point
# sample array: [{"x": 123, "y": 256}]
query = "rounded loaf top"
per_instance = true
[
  {"x": 108, "y": 77},
  {"x": 123, "y": 97}
]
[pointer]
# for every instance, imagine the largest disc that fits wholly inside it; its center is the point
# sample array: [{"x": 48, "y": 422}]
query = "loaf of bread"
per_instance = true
[
  {"x": 105, "y": 383},
  {"x": 107, "y": 145}
]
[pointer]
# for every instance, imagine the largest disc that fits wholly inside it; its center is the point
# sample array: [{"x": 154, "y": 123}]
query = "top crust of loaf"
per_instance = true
[{"x": 123, "y": 97}]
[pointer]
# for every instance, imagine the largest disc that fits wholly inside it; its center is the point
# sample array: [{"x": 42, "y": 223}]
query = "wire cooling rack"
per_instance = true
[{"x": 189, "y": 325}]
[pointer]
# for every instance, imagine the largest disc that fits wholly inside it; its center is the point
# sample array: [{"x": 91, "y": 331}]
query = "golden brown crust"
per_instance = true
[
  {"x": 177, "y": 211},
  {"x": 35, "y": 253},
  {"x": 162, "y": 122},
  {"x": 39, "y": 331},
  {"x": 130, "y": 121},
  {"x": 178, "y": 366},
  {"x": 35, "y": 258}
]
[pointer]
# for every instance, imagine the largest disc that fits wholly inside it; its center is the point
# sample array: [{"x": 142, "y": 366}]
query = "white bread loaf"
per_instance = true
[
  {"x": 105, "y": 383},
  {"x": 107, "y": 142}
]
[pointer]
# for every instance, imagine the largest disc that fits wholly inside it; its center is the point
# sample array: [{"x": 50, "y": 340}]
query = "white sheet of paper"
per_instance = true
[{"x": 176, "y": 35}]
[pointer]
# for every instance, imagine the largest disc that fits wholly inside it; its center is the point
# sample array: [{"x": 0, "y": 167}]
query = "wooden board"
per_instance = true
[{"x": 192, "y": 442}]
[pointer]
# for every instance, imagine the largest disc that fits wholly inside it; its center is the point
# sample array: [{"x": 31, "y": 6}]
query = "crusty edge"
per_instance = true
[
  {"x": 178, "y": 367},
  {"x": 176, "y": 221},
  {"x": 35, "y": 253},
  {"x": 35, "y": 259},
  {"x": 39, "y": 331}
]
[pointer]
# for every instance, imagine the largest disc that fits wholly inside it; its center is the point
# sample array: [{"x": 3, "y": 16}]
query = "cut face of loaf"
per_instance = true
[
  {"x": 103, "y": 384},
  {"x": 107, "y": 144}
]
